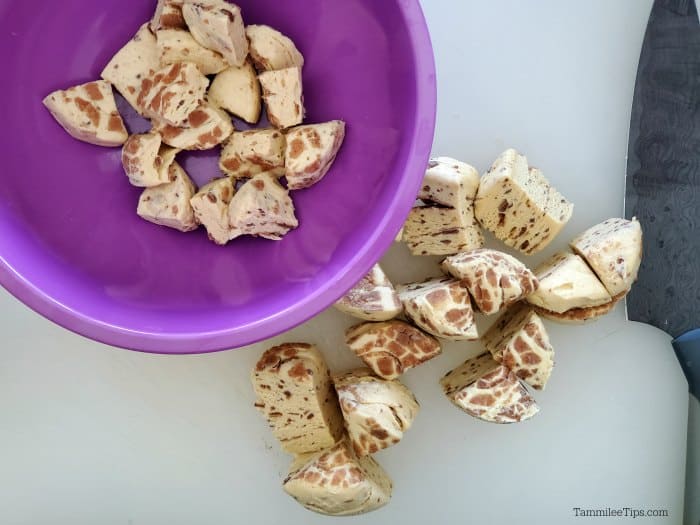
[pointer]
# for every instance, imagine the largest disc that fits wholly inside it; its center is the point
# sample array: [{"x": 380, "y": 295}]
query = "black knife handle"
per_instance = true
[
  {"x": 680, "y": 7},
  {"x": 687, "y": 348}
]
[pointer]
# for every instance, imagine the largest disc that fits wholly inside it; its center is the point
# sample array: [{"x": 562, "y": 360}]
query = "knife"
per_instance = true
[{"x": 663, "y": 191}]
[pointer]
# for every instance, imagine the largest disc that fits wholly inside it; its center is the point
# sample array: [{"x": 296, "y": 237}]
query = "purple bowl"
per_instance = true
[{"x": 72, "y": 247}]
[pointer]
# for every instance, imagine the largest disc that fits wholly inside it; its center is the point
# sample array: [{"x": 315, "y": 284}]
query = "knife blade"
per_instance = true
[{"x": 662, "y": 189}]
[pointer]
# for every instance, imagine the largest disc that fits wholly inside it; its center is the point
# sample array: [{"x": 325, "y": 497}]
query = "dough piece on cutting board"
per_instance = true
[
  {"x": 490, "y": 391},
  {"x": 210, "y": 205},
  {"x": 376, "y": 411},
  {"x": 390, "y": 348},
  {"x": 89, "y": 113},
  {"x": 435, "y": 230},
  {"x": 218, "y": 25},
  {"x": 282, "y": 92},
  {"x": 206, "y": 127},
  {"x": 248, "y": 153},
  {"x": 311, "y": 151},
  {"x": 373, "y": 298},
  {"x": 237, "y": 90},
  {"x": 271, "y": 50},
  {"x": 295, "y": 394},
  {"x": 613, "y": 249},
  {"x": 519, "y": 206},
  {"x": 133, "y": 63},
  {"x": 262, "y": 208},
  {"x": 519, "y": 340},
  {"x": 494, "y": 279},
  {"x": 449, "y": 182},
  {"x": 567, "y": 282},
  {"x": 337, "y": 482},
  {"x": 442, "y": 307},
  {"x": 581, "y": 315},
  {"x": 169, "y": 204},
  {"x": 176, "y": 46},
  {"x": 443, "y": 223}
]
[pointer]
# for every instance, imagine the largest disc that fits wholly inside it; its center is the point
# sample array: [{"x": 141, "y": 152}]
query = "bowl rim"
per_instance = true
[{"x": 352, "y": 270}]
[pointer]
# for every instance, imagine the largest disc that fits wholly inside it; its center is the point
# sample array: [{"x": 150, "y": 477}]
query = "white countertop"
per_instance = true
[{"x": 96, "y": 435}]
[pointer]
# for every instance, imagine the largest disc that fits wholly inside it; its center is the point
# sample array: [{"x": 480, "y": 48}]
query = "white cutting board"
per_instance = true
[{"x": 91, "y": 434}]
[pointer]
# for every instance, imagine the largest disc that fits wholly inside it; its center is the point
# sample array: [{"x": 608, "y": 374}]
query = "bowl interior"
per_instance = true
[{"x": 72, "y": 246}]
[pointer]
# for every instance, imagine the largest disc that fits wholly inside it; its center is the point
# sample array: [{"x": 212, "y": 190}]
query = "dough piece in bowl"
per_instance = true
[
  {"x": 519, "y": 206},
  {"x": 169, "y": 203},
  {"x": 613, "y": 249},
  {"x": 89, "y": 113},
  {"x": 494, "y": 279},
  {"x": 146, "y": 160},
  {"x": 372, "y": 299},
  {"x": 282, "y": 92},
  {"x": 449, "y": 182},
  {"x": 295, "y": 394},
  {"x": 168, "y": 15},
  {"x": 271, "y": 50},
  {"x": 171, "y": 94},
  {"x": 489, "y": 391},
  {"x": 262, "y": 208},
  {"x": 177, "y": 45},
  {"x": 442, "y": 307},
  {"x": 519, "y": 340},
  {"x": 218, "y": 25},
  {"x": 391, "y": 347},
  {"x": 137, "y": 60},
  {"x": 206, "y": 127},
  {"x": 337, "y": 482},
  {"x": 247, "y": 153},
  {"x": 237, "y": 90},
  {"x": 567, "y": 282},
  {"x": 376, "y": 412},
  {"x": 210, "y": 206},
  {"x": 311, "y": 151}
]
